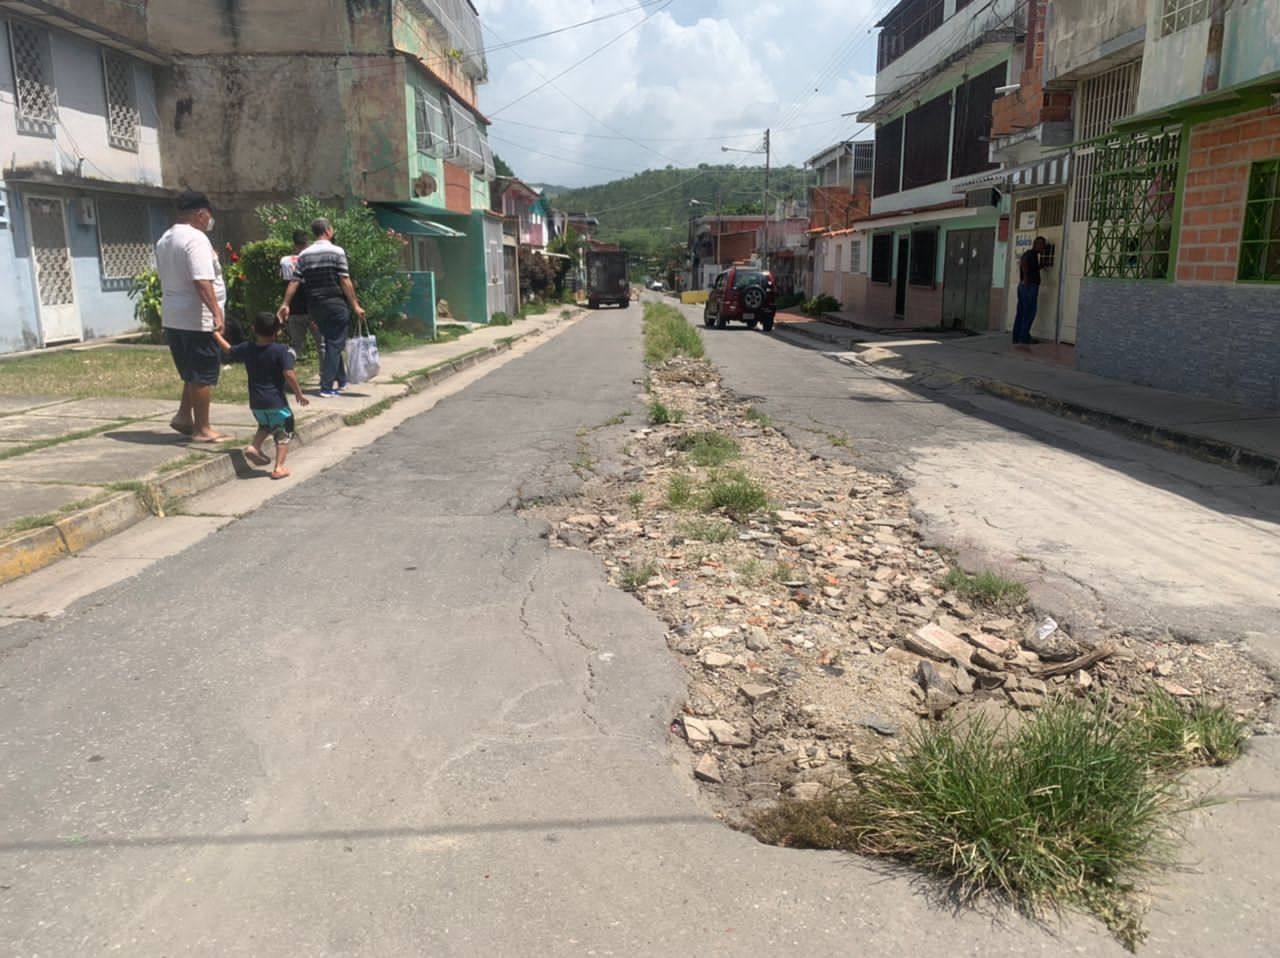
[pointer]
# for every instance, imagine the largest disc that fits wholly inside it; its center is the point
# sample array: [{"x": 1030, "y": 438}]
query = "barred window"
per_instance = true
[
  {"x": 1131, "y": 210},
  {"x": 468, "y": 147},
  {"x": 124, "y": 239},
  {"x": 33, "y": 79},
  {"x": 431, "y": 122},
  {"x": 1180, "y": 14},
  {"x": 122, "y": 102},
  {"x": 855, "y": 256},
  {"x": 1260, "y": 240},
  {"x": 488, "y": 173}
]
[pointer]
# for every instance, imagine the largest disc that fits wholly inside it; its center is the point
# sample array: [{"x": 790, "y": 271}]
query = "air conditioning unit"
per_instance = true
[
  {"x": 982, "y": 198},
  {"x": 86, "y": 212}
]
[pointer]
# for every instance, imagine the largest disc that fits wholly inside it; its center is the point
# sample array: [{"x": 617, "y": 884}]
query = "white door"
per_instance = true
[{"x": 51, "y": 259}]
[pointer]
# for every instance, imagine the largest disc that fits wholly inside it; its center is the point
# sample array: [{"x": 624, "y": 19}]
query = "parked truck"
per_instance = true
[{"x": 608, "y": 278}]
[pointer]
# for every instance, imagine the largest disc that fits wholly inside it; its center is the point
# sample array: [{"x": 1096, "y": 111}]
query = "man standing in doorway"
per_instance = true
[
  {"x": 331, "y": 300},
  {"x": 1028, "y": 292},
  {"x": 191, "y": 311}
]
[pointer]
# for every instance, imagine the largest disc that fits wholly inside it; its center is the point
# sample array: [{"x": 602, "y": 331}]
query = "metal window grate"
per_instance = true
[
  {"x": 855, "y": 256},
  {"x": 33, "y": 79},
  {"x": 467, "y": 147},
  {"x": 124, "y": 239},
  {"x": 1260, "y": 239},
  {"x": 431, "y": 121},
  {"x": 123, "y": 119},
  {"x": 49, "y": 248},
  {"x": 1104, "y": 99},
  {"x": 1131, "y": 214},
  {"x": 1180, "y": 14},
  {"x": 1051, "y": 210}
]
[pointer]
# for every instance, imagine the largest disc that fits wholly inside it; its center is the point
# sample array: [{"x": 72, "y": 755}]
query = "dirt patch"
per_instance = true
[{"x": 817, "y": 634}]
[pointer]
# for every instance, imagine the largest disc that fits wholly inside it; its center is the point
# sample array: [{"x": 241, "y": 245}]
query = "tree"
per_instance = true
[{"x": 500, "y": 166}]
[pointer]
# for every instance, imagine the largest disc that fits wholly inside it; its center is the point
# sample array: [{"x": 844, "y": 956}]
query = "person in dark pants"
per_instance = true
[
  {"x": 331, "y": 300},
  {"x": 299, "y": 321},
  {"x": 1028, "y": 291}
]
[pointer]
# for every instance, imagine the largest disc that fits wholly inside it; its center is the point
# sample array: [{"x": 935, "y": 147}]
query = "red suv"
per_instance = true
[{"x": 743, "y": 293}]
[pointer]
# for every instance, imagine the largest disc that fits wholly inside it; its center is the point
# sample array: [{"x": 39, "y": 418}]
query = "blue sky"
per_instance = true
[{"x": 692, "y": 76}]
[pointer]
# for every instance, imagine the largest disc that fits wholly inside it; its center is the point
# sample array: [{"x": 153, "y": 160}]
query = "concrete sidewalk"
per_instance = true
[
  {"x": 1244, "y": 437},
  {"x": 75, "y": 471}
]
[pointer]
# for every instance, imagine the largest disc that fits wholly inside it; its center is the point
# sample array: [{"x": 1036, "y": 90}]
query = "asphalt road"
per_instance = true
[{"x": 380, "y": 716}]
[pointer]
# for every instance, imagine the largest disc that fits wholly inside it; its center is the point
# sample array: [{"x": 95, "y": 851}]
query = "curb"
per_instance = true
[
  {"x": 30, "y": 551},
  {"x": 1167, "y": 438}
]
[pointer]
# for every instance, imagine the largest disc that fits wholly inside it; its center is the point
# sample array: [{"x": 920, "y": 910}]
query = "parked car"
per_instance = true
[{"x": 741, "y": 293}]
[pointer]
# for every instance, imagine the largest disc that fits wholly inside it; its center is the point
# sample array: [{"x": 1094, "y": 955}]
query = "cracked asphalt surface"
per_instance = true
[{"x": 379, "y": 716}]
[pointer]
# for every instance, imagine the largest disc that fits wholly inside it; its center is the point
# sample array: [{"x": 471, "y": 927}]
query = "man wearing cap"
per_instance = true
[{"x": 192, "y": 311}]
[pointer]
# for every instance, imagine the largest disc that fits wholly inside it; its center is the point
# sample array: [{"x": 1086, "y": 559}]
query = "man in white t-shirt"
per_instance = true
[{"x": 194, "y": 296}]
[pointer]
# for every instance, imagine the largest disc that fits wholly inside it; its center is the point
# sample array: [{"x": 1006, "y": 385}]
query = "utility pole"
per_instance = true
[{"x": 766, "y": 200}]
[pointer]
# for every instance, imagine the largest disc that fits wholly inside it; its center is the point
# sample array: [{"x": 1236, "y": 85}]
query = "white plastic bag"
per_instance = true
[{"x": 363, "y": 362}]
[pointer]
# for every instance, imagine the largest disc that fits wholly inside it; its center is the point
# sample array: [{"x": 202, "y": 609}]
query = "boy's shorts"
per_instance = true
[{"x": 278, "y": 421}]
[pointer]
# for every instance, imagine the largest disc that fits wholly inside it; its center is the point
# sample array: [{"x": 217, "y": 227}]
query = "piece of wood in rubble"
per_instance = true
[{"x": 1082, "y": 662}]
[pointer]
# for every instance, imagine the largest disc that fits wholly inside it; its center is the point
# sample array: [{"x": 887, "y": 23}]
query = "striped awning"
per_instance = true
[{"x": 1047, "y": 171}]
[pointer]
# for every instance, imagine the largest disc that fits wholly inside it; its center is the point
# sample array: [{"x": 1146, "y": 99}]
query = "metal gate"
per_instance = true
[
  {"x": 966, "y": 280},
  {"x": 51, "y": 261},
  {"x": 512, "y": 279}
]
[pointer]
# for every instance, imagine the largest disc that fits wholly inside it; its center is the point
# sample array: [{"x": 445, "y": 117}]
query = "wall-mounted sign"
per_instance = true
[{"x": 1027, "y": 220}]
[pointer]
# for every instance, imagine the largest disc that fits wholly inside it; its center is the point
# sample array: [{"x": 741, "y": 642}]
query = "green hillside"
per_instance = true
[{"x": 649, "y": 211}]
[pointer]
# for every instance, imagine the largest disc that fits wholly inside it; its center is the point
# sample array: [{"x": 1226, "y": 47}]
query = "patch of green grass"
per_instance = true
[
  {"x": 634, "y": 577},
  {"x": 617, "y": 420},
  {"x": 37, "y": 444},
  {"x": 750, "y": 572},
  {"x": 708, "y": 530},
  {"x": 679, "y": 491},
  {"x": 668, "y": 334},
  {"x": 188, "y": 460},
  {"x": 1176, "y": 734},
  {"x": 660, "y": 414},
  {"x": 448, "y": 332},
  {"x": 394, "y": 340},
  {"x": 27, "y": 523},
  {"x": 499, "y": 319},
  {"x": 1068, "y": 809},
  {"x": 532, "y": 309},
  {"x": 709, "y": 448},
  {"x": 784, "y": 571},
  {"x": 736, "y": 495},
  {"x": 566, "y": 314},
  {"x": 758, "y": 417},
  {"x": 583, "y": 463},
  {"x": 367, "y": 413},
  {"x": 984, "y": 588},
  {"x": 838, "y": 440},
  {"x": 635, "y": 500}
]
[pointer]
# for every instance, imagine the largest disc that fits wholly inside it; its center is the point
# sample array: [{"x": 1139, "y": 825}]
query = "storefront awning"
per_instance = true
[
  {"x": 411, "y": 224},
  {"x": 1047, "y": 171}
]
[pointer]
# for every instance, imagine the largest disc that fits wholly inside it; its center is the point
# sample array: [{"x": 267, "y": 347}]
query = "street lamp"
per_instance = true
[{"x": 765, "y": 150}]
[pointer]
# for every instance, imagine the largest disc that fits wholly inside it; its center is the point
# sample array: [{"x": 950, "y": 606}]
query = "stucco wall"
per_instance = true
[
  {"x": 1173, "y": 66},
  {"x": 19, "y": 328},
  {"x": 1210, "y": 339},
  {"x": 82, "y": 118},
  {"x": 268, "y": 129},
  {"x": 1081, "y": 33},
  {"x": 269, "y": 26}
]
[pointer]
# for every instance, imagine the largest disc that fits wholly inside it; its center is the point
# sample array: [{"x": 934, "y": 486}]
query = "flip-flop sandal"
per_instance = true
[
  {"x": 258, "y": 459},
  {"x": 285, "y": 476},
  {"x": 187, "y": 431},
  {"x": 214, "y": 441}
]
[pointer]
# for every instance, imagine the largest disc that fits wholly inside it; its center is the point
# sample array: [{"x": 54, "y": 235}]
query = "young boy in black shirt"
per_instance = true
[{"x": 270, "y": 368}]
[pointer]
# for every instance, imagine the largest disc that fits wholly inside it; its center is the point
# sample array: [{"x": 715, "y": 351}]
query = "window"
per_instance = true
[
  {"x": 1051, "y": 210},
  {"x": 907, "y": 26},
  {"x": 888, "y": 158},
  {"x": 33, "y": 80},
  {"x": 122, "y": 102},
  {"x": 1260, "y": 241},
  {"x": 970, "y": 150},
  {"x": 468, "y": 145},
  {"x": 839, "y": 257},
  {"x": 431, "y": 122},
  {"x": 882, "y": 258},
  {"x": 1131, "y": 209},
  {"x": 925, "y": 153},
  {"x": 1103, "y": 99},
  {"x": 855, "y": 256},
  {"x": 124, "y": 239},
  {"x": 924, "y": 257},
  {"x": 1180, "y": 14}
]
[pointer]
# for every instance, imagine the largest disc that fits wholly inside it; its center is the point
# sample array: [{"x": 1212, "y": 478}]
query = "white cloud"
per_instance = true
[{"x": 694, "y": 76}]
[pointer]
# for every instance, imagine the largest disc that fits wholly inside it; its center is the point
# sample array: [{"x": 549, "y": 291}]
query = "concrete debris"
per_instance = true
[
  {"x": 708, "y": 769},
  {"x": 696, "y": 731},
  {"x": 937, "y": 643}
]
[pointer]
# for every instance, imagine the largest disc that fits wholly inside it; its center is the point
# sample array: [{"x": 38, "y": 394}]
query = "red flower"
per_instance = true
[{"x": 235, "y": 257}]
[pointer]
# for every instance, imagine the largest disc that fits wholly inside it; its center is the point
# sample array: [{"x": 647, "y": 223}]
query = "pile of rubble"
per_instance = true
[{"x": 818, "y": 633}]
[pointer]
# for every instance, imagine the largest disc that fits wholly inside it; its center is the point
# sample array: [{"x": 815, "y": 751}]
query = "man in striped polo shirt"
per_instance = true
[{"x": 331, "y": 299}]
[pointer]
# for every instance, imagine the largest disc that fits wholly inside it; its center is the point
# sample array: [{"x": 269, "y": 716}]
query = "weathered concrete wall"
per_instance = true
[
  {"x": 1087, "y": 36},
  {"x": 310, "y": 27},
  {"x": 420, "y": 36},
  {"x": 250, "y": 131},
  {"x": 127, "y": 21},
  {"x": 1173, "y": 66},
  {"x": 1218, "y": 340}
]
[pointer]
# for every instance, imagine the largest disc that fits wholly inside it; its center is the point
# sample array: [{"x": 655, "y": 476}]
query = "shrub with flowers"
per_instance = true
[{"x": 375, "y": 255}]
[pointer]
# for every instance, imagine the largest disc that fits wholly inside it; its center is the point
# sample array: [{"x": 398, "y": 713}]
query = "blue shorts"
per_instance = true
[
  {"x": 195, "y": 354},
  {"x": 278, "y": 422}
]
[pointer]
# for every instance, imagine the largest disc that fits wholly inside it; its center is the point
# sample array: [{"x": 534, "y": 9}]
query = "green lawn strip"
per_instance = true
[
  {"x": 38, "y": 444},
  {"x": 368, "y": 412},
  {"x": 668, "y": 334},
  {"x": 1076, "y": 806},
  {"x": 428, "y": 370},
  {"x": 27, "y": 523}
]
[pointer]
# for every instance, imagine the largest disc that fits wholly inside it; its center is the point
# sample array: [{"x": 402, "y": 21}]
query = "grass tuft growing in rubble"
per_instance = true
[
  {"x": 708, "y": 530},
  {"x": 679, "y": 491},
  {"x": 635, "y": 577},
  {"x": 1075, "y": 807},
  {"x": 660, "y": 414},
  {"x": 984, "y": 588},
  {"x": 668, "y": 334},
  {"x": 709, "y": 448},
  {"x": 735, "y": 494},
  {"x": 1178, "y": 734}
]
